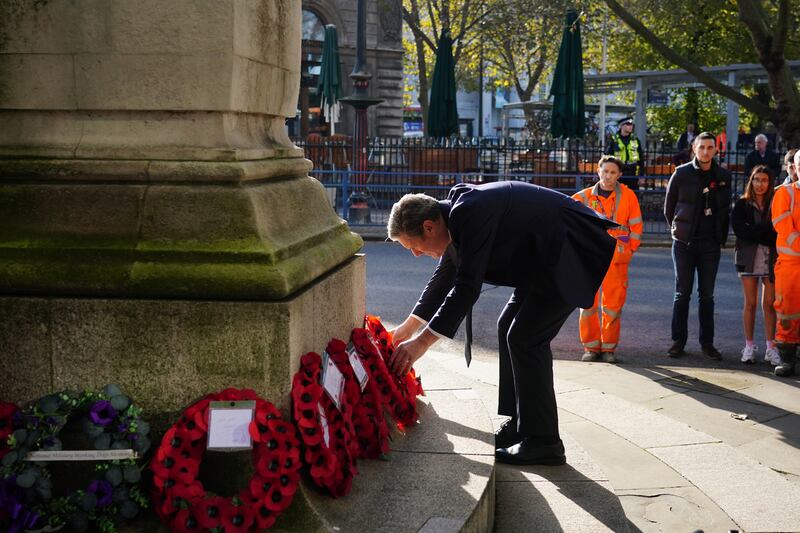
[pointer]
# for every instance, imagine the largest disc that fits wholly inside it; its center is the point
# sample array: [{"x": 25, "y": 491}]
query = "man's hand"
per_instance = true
[
  {"x": 405, "y": 331},
  {"x": 408, "y": 352}
]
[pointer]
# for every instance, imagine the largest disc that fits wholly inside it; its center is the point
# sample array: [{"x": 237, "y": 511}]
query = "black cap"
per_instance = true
[{"x": 625, "y": 120}]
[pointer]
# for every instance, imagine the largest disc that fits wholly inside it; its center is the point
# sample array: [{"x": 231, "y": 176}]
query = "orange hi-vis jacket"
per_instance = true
[
  {"x": 622, "y": 207},
  {"x": 786, "y": 220}
]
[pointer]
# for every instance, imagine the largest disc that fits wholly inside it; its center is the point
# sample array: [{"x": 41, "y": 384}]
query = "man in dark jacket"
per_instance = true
[
  {"x": 697, "y": 207},
  {"x": 553, "y": 250},
  {"x": 762, "y": 155}
]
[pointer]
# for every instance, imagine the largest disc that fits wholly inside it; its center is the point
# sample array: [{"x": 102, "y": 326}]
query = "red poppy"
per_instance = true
[
  {"x": 183, "y": 521},
  {"x": 209, "y": 512},
  {"x": 288, "y": 483},
  {"x": 265, "y": 517},
  {"x": 323, "y": 463},
  {"x": 310, "y": 359},
  {"x": 275, "y": 500},
  {"x": 238, "y": 519},
  {"x": 259, "y": 486}
]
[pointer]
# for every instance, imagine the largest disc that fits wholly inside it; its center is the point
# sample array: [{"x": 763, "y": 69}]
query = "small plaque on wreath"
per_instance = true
[
  {"x": 228, "y": 426},
  {"x": 358, "y": 367},
  {"x": 332, "y": 380}
]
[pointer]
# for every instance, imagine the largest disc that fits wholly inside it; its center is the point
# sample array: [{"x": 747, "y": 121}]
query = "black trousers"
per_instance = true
[
  {"x": 701, "y": 257},
  {"x": 527, "y": 325}
]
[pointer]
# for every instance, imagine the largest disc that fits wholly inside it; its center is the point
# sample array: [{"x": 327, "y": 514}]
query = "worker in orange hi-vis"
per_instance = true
[
  {"x": 619, "y": 203},
  {"x": 786, "y": 220}
]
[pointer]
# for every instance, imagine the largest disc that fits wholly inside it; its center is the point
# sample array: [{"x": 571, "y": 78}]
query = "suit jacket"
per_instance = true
[{"x": 518, "y": 235}]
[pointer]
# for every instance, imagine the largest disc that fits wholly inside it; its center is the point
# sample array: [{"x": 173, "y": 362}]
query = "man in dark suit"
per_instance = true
[{"x": 553, "y": 250}]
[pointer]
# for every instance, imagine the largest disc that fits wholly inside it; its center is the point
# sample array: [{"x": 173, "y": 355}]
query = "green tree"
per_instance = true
[
  {"x": 427, "y": 20},
  {"x": 715, "y": 32}
]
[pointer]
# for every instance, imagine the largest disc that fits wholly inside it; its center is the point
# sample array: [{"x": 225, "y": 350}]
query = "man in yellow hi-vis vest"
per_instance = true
[
  {"x": 618, "y": 203},
  {"x": 627, "y": 148},
  {"x": 786, "y": 220}
]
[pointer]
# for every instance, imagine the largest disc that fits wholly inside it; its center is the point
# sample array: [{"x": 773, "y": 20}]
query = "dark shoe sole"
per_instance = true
[
  {"x": 509, "y": 459},
  {"x": 675, "y": 355}
]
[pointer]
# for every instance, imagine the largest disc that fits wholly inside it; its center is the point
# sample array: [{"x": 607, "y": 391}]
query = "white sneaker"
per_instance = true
[
  {"x": 748, "y": 354},
  {"x": 772, "y": 356}
]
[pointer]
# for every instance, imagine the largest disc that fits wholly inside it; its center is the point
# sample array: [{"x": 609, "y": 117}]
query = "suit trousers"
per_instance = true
[{"x": 527, "y": 325}]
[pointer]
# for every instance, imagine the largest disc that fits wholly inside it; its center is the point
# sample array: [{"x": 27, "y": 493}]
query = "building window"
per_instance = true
[{"x": 313, "y": 27}]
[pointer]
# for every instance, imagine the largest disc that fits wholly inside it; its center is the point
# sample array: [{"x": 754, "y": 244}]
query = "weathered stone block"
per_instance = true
[
  {"x": 166, "y": 353},
  {"x": 149, "y": 26},
  {"x": 40, "y": 81}
]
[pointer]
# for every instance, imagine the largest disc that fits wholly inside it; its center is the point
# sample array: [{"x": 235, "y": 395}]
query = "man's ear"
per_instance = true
[{"x": 427, "y": 226}]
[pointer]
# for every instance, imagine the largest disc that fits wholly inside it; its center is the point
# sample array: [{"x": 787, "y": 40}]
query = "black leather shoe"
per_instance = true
[
  {"x": 676, "y": 350},
  {"x": 528, "y": 453},
  {"x": 711, "y": 352},
  {"x": 507, "y": 435}
]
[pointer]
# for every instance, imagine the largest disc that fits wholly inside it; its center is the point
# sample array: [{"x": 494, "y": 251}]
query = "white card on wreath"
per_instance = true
[
  {"x": 228, "y": 425},
  {"x": 332, "y": 380},
  {"x": 323, "y": 422},
  {"x": 358, "y": 367}
]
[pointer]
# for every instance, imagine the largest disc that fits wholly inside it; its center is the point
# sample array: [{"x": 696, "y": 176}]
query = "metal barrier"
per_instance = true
[
  {"x": 366, "y": 198},
  {"x": 398, "y": 166}
]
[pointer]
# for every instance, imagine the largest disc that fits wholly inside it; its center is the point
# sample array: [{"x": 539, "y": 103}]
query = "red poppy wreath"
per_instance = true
[
  {"x": 399, "y": 392},
  {"x": 182, "y": 502},
  {"x": 323, "y": 429},
  {"x": 369, "y": 429}
]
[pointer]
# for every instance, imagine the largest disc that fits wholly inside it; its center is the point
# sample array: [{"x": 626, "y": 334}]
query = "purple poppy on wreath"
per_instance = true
[
  {"x": 103, "y": 490},
  {"x": 102, "y": 413},
  {"x": 21, "y": 518}
]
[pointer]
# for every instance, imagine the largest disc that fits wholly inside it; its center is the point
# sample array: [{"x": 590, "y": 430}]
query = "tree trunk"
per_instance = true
[{"x": 422, "y": 87}]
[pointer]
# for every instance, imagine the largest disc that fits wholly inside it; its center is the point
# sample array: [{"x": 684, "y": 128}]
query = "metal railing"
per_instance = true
[{"x": 397, "y": 166}]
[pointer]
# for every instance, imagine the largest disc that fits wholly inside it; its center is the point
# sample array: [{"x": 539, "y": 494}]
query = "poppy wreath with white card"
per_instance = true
[
  {"x": 183, "y": 503},
  {"x": 400, "y": 391},
  {"x": 370, "y": 433},
  {"x": 322, "y": 428},
  {"x": 111, "y": 436}
]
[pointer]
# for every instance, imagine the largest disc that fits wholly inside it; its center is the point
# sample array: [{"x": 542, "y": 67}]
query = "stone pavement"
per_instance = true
[{"x": 654, "y": 449}]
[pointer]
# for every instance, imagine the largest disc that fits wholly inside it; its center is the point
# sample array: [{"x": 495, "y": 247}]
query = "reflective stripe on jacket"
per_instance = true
[
  {"x": 622, "y": 207},
  {"x": 786, "y": 221}
]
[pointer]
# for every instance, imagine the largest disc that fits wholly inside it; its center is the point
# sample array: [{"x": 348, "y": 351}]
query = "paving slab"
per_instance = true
[
  {"x": 627, "y": 466},
  {"x": 711, "y": 414},
  {"x": 711, "y": 380},
  {"x": 620, "y": 381},
  {"x": 776, "y": 453},
  {"x": 571, "y": 506},
  {"x": 450, "y": 421},
  {"x": 630, "y": 421},
  {"x": 754, "y": 496},
  {"x": 778, "y": 392},
  {"x": 429, "y": 370},
  {"x": 404, "y": 495},
  {"x": 672, "y": 509}
]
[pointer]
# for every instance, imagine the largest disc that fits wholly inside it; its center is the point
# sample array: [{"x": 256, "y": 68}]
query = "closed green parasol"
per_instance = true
[
  {"x": 568, "y": 117},
  {"x": 442, "y": 113},
  {"x": 330, "y": 77}
]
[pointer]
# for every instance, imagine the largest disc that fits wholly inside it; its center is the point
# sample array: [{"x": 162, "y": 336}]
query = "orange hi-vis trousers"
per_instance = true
[
  {"x": 787, "y": 301},
  {"x": 597, "y": 336},
  {"x": 786, "y": 220}
]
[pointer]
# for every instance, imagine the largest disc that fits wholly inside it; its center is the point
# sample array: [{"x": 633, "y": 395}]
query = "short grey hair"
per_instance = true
[
  {"x": 409, "y": 213},
  {"x": 762, "y": 137}
]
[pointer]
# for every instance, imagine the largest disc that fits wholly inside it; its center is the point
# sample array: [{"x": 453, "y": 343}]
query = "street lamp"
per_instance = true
[{"x": 360, "y": 101}]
